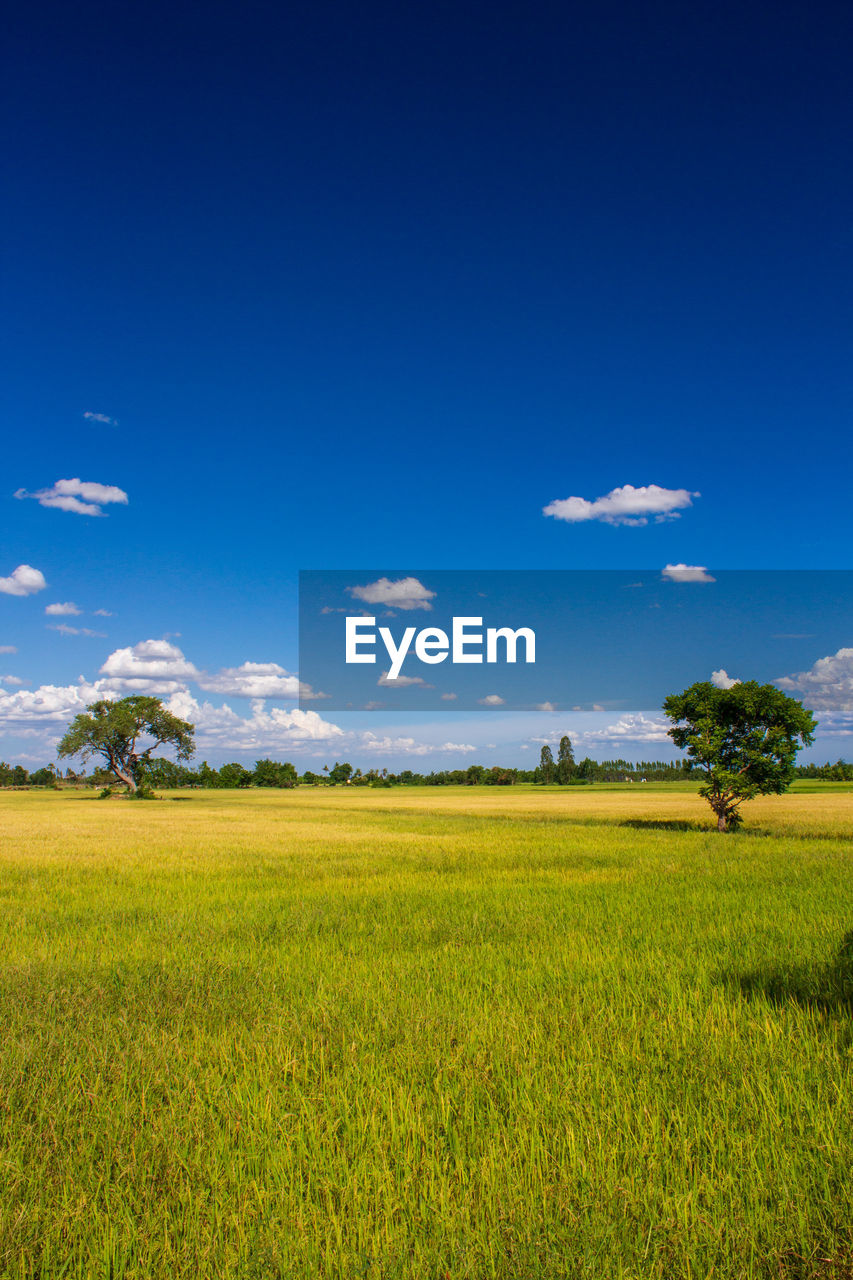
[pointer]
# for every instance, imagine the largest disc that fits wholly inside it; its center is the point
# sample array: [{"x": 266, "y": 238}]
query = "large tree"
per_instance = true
[
  {"x": 116, "y": 730},
  {"x": 546, "y": 764},
  {"x": 745, "y": 739},
  {"x": 566, "y": 766}
]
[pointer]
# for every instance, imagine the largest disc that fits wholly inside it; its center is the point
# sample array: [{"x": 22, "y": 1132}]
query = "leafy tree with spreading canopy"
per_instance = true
[
  {"x": 745, "y": 738},
  {"x": 113, "y": 730}
]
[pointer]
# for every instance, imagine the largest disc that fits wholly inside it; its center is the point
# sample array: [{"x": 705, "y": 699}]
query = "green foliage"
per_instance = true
[
  {"x": 269, "y": 773},
  {"x": 745, "y": 738},
  {"x": 235, "y": 775},
  {"x": 112, "y": 730},
  {"x": 566, "y": 767},
  {"x": 546, "y": 764},
  {"x": 43, "y": 777}
]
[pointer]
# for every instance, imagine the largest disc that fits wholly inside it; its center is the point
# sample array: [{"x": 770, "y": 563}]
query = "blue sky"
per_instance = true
[{"x": 345, "y": 287}]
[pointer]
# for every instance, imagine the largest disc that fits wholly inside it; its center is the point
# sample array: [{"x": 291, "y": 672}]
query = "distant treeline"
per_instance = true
[{"x": 272, "y": 773}]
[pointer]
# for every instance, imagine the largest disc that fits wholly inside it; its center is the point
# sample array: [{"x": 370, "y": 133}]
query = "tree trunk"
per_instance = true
[
  {"x": 722, "y": 822},
  {"x": 125, "y": 777}
]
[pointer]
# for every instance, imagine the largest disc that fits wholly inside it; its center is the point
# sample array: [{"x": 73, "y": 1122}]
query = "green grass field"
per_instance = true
[{"x": 431, "y": 1033}]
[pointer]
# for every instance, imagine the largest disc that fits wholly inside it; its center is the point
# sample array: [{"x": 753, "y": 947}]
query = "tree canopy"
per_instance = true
[
  {"x": 745, "y": 738},
  {"x": 113, "y": 730}
]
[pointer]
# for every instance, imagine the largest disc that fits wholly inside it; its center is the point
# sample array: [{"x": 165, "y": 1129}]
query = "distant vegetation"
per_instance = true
[{"x": 273, "y": 773}]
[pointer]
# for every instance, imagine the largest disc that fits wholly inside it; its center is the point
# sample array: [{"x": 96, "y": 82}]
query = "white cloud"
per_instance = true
[
  {"x": 8, "y": 648},
  {"x": 626, "y": 504},
  {"x": 491, "y": 700},
  {"x": 723, "y": 680},
  {"x": 101, "y": 613},
  {"x": 48, "y": 703},
  {"x": 405, "y": 593},
  {"x": 630, "y": 728},
  {"x": 24, "y": 581},
  {"x": 68, "y": 609},
  {"x": 545, "y": 706},
  {"x": 449, "y": 697},
  {"x": 100, "y": 417},
  {"x": 686, "y": 573},
  {"x": 275, "y": 729},
  {"x": 152, "y": 666},
  {"x": 388, "y": 746},
  {"x": 13, "y": 680},
  {"x": 83, "y": 497},
  {"x": 827, "y": 686},
  {"x": 252, "y": 680},
  {"x": 64, "y": 629},
  {"x": 401, "y": 681}
]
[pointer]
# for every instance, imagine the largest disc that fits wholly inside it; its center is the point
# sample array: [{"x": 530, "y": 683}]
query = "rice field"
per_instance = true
[{"x": 431, "y": 1033}]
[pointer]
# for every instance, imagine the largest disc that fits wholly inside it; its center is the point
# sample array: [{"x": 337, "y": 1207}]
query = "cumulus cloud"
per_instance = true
[
  {"x": 723, "y": 680},
  {"x": 83, "y": 497},
  {"x": 252, "y": 680},
  {"x": 262, "y": 730},
  {"x": 13, "y": 680},
  {"x": 257, "y": 680},
  {"x": 545, "y": 706},
  {"x": 401, "y": 681},
  {"x": 491, "y": 700},
  {"x": 68, "y": 609},
  {"x": 630, "y": 728},
  {"x": 827, "y": 686},
  {"x": 405, "y": 593},
  {"x": 49, "y": 703},
  {"x": 686, "y": 573},
  {"x": 23, "y": 581},
  {"x": 152, "y": 666},
  {"x": 100, "y": 417},
  {"x": 627, "y": 504}
]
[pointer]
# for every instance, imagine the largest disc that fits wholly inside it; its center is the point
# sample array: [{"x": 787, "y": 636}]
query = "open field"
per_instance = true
[{"x": 426, "y": 1033}]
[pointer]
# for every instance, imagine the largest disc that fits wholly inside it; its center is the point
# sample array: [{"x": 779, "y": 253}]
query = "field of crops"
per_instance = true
[{"x": 430, "y": 1033}]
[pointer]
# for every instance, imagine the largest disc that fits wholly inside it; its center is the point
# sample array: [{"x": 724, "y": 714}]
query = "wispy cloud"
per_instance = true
[
  {"x": 628, "y": 504},
  {"x": 102, "y": 613},
  {"x": 387, "y": 746},
  {"x": 401, "y": 682},
  {"x": 23, "y": 581},
  {"x": 449, "y": 697},
  {"x": 405, "y": 593},
  {"x": 83, "y": 497},
  {"x": 491, "y": 700},
  {"x": 100, "y": 417},
  {"x": 13, "y": 680},
  {"x": 68, "y": 609},
  {"x": 8, "y": 648},
  {"x": 65, "y": 630},
  {"x": 686, "y": 573}
]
